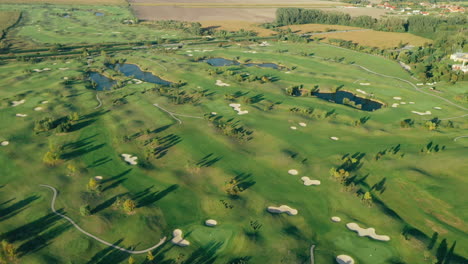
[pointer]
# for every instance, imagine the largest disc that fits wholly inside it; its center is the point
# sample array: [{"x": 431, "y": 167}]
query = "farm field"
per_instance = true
[
  {"x": 252, "y": 11},
  {"x": 7, "y": 19},
  {"x": 67, "y": 2},
  {"x": 132, "y": 160}
]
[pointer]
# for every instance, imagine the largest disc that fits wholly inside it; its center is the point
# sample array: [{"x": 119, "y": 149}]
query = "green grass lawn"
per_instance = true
[{"x": 415, "y": 194}]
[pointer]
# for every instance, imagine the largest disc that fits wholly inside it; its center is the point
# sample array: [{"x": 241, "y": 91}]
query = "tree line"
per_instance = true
[{"x": 413, "y": 24}]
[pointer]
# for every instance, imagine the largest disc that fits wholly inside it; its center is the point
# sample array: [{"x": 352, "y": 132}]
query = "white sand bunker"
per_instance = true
[
  {"x": 214, "y": 113},
  {"x": 334, "y": 138},
  {"x": 364, "y": 84},
  {"x": 293, "y": 128},
  {"x": 4, "y": 143},
  {"x": 178, "y": 239},
  {"x": 437, "y": 108},
  {"x": 16, "y": 103},
  {"x": 411, "y": 102},
  {"x": 282, "y": 209},
  {"x": 303, "y": 124},
  {"x": 419, "y": 84},
  {"x": 63, "y": 69},
  {"x": 361, "y": 91},
  {"x": 237, "y": 108},
  {"x": 308, "y": 182},
  {"x": 395, "y": 105},
  {"x": 336, "y": 219},
  {"x": 132, "y": 160},
  {"x": 21, "y": 115},
  {"x": 293, "y": 172},
  {"x": 44, "y": 102},
  {"x": 403, "y": 103},
  {"x": 211, "y": 222},
  {"x": 397, "y": 98},
  {"x": 422, "y": 113},
  {"x": 39, "y": 108},
  {"x": 369, "y": 232},
  {"x": 98, "y": 178},
  {"x": 344, "y": 259},
  {"x": 221, "y": 83}
]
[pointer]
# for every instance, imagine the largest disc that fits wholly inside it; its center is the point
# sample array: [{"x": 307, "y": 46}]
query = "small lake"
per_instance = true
[
  {"x": 99, "y": 14},
  {"x": 103, "y": 83},
  {"x": 340, "y": 96},
  {"x": 219, "y": 62},
  {"x": 132, "y": 70}
]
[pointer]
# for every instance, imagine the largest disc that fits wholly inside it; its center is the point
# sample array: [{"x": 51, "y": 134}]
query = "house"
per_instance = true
[{"x": 460, "y": 57}]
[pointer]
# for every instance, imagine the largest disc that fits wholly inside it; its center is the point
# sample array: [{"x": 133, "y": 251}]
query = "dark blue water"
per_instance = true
[
  {"x": 263, "y": 65},
  {"x": 218, "y": 62},
  {"x": 103, "y": 83},
  {"x": 340, "y": 96},
  {"x": 132, "y": 70}
]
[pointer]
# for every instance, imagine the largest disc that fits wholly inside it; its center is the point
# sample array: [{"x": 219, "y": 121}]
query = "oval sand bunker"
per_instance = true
[
  {"x": 344, "y": 259},
  {"x": 293, "y": 172},
  {"x": 4, "y": 143},
  {"x": 211, "y": 222},
  {"x": 336, "y": 219},
  {"x": 282, "y": 209}
]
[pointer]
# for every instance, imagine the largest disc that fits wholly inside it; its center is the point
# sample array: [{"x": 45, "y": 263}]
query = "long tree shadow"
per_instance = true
[
  {"x": 109, "y": 255},
  {"x": 16, "y": 208},
  {"x": 115, "y": 181},
  {"x": 82, "y": 151},
  {"x": 165, "y": 143},
  {"x": 204, "y": 255},
  {"x": 146, "y": 197},
  {"x": 42, "y": 240},
  {"x": 100, "y": 162},
  {"x": 244, "y": 180},
  {"x": 208, "y": 161},
  {"x": 107, "y": 203}
]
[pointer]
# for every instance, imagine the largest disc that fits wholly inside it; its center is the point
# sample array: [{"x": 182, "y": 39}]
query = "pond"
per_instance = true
[
  {"x": 132, "y": 70},
  {"x": 99, "y": 14},
  {"x": 349, "y": 99},
  {"x": 218, "y": 62},
  {"x": 102, "y": 82},
  {"x": 263, "y": 65}
]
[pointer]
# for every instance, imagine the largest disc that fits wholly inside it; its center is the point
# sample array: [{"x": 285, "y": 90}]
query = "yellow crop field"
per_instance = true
[
  {"x": 7, "y": 19},
  {"x": 305, "y": 28},
  {"x": 379, "y": 39}
]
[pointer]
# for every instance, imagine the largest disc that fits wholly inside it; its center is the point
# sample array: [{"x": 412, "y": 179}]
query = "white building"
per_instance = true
[{"x": 460, "y": 57}]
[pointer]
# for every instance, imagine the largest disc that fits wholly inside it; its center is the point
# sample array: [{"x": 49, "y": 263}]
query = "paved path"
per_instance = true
[
  {"x": 173, "y": 115},
  {"x": 457, "y": 138},
  {"x": 312, "y": 261},
  {"x": 52, "y": 206},
  {"x": 99, "y": 100}
]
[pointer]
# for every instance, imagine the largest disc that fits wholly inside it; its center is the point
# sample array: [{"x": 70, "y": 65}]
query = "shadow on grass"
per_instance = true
[
  {"x": 109, "y": 255},
  {"x": 208, "y": 161},
  {"x": 16, "y": 208},
  {"x": 146, "y": 197}
]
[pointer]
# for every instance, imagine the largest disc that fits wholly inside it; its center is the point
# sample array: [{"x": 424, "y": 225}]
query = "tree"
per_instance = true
[
  {"x": 131, "y": 260},
  {"x": 52, "y": 157},
  {"x": 74, "y": 117},
  {"x": 85, "y": 210},
  {"x": 367, "y": 198},
  {"x": 93, "y": 185},
  {"x": 150, "y": 256},
  {"x": 8, "y": 253},
  {"x": 232, "y": 187},
  {"x": 129, "y": 206}
]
